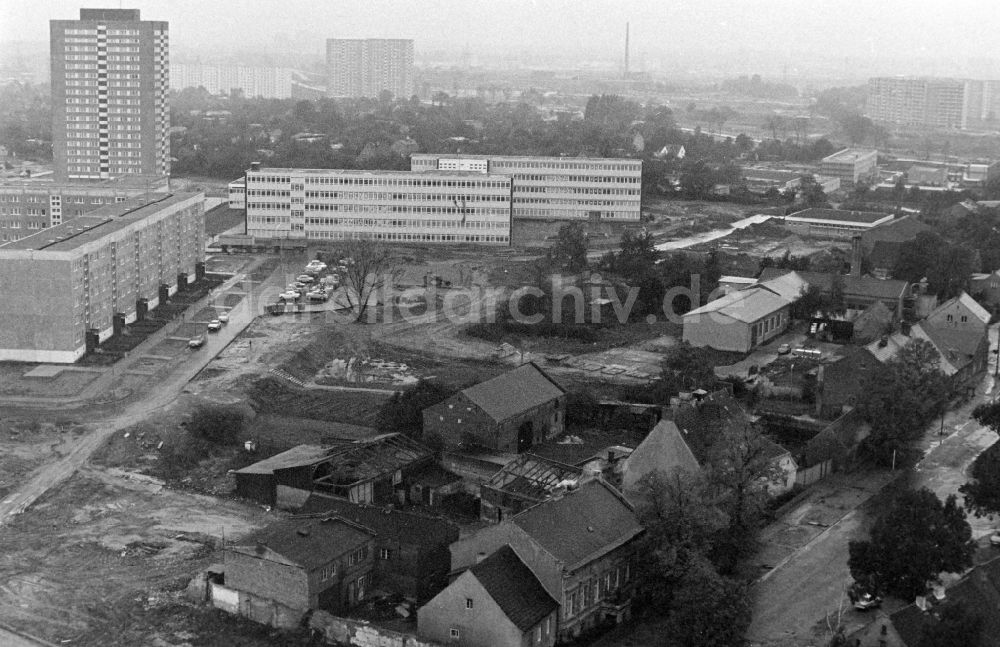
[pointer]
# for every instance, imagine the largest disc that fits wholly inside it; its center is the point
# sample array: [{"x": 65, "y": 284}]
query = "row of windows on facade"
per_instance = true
[
  {"x": 573, "y": 190},
  {"x": 382, "y": 195},
  {"x": 57, "y": 200},
  {"x": 382, "y": 181},
  {"x": 571, "y": 213},
  {"x": 93, "y": 32},
  {"x": 591, "y": 592},
  {"x": 433, "y": 224},
  {"x": 393, "y": 208},
  {"x": 579, "y": 203},
  {"x": 561, "y": 165},
  {"x": 555, "y": 179},
  {"x": 427, "y": 238}
]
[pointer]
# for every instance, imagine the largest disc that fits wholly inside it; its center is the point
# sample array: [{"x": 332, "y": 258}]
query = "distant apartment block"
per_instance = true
[
  {"x": 68, "y": 287},
  {"x": 850, "y": 166},
  {"x": 261, "y": 82},
  {"x": 110, "y": 102},
  {"x": 27, "y": 206},
  {"x": 392, "y": 206},
  {"x": 982, "y": 103},
  {"x": 364, "y": 67},
  {"x": 556, "y": 188},
  {"x": 918, "y": 102}
]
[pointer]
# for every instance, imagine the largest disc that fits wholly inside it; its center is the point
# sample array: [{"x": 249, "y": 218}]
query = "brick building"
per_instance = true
[
  {"x": 509, "y": 413},
  {"x": 312, "y": 563}
]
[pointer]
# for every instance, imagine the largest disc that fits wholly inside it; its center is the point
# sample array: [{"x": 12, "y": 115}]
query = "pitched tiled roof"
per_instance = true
[
  {"x": 702, "y": 424},
  {"x": 581, "y": 524},
  {"x": 663, "y": 450},
  {"x": 309, "y": 542},
  {"x": 861, "y": 286},
  {"x": 514, "y": 392},
  {"x": 297, "y": 456},
  {"x": 388, "y": 523},
  {"x": 514, "y": 587},
  {"x": 978, "y": 311},
  {"x": 789, "y": 286},
  {"x": 956, "y": 346}
]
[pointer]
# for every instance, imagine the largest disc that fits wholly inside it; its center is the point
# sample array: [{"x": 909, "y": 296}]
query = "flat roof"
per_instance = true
[
  {"x": 849, "y": 155},
  {"x": 526, "y": 157},
  {"x": 95, "y": 224},
  {"x": 367, "y": 172},
  {"x": 839, "y": 215}
]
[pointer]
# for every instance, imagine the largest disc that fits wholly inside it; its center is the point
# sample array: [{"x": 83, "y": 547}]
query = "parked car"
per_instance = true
[
  {"x": 995, "y": 538},
  {"x": 290, "y": 295},
  {"x": 784, "y": 349},
  {"x": 197, "y": 342},
  {"x": 214, "y": 325},
  {"x": 224, "y": 317},
  {"x": 316, "y": 264},
  {"x": 317, "y": 296},
  {"x": 332, "y": 279},
  {"x": 304, "y": 278},
  {"x": 863, "y": 598}
]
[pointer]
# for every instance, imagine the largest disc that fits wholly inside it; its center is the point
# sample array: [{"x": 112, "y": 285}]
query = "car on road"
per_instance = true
[
  {"x": 305, "y": 278},
  {"x": 317, "y": 295},
  {"x": 290, "y": 295},
  {"x": 197, "y": 342},
  {"x": 214, "y": 325},
  {"x": 784, "y": 349},
  {"x": 224, "y": 317},
  {"x": 316, "y": 264}
]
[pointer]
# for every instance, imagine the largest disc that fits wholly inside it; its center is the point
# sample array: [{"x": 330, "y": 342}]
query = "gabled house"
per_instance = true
[
  {"x": 961, "y": 312},
  {"x": 509, "y": 413},
  {"x": 670, "y": 151},
  {"x": 579, "y": 545},
  {"x": 663, "y": 451},
  {"x": 739, "y": 321},
  {"x": 411, "y": 549},
  {"x": 315, "y": 563},
  {"x": 496, "y": 603}
]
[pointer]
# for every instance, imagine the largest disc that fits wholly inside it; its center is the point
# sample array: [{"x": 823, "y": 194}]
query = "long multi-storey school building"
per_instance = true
[
  {"x": 70, "y": 286},
  {"x": 556, "y": 188},
  {"x": 392, "y": 206}
]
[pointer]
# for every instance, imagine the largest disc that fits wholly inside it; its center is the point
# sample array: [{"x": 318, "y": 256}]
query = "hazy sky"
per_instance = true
[{"x": 594, "y": 28}]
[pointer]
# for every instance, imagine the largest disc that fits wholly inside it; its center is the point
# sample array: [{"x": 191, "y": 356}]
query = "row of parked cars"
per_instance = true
[
  {"x": 215, "y": 325},
  {"x": 310, "y": 285}
]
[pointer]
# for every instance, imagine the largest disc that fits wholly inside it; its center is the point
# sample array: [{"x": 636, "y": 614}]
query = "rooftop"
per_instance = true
[
  {"x": 372, "y": 173},
  {"x": 388, "y": 523},
  {"x": 581, "y": 524},
  {"x": 747, "y": 305},
  {"x": 849, "y": 155},
  {"x": 362, "y": 461},
  {"x": 298, "y": 456},
  {"x": 308, "y": 542},
  {"x": 514, "y": 587},
  {"x": 514, "y": 392},
  {"x": 533, "y": 477},
  {"x": 96, "y": 224},
  {"x": 535, "y": 158},
  {"x": 839, "y": 215}
]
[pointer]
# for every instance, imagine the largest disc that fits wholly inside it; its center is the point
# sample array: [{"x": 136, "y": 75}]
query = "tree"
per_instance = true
[
  {"x": 688, "y": 367},
  {"x": 570, "y": 251},
  {"x": 220, "y": 424},
  {"x": 697, "y": 179},
  {"x": 912, "y": 543},
  {"x": 403, "y": 412},
  {"x": 955, "y": 625},
  {"x": 371, "y": 265},
  {"x": 707, "y": 610},
  {"x": 982, "y": 493}
]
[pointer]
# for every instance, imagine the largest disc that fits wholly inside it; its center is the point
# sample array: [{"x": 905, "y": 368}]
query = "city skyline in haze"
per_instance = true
[{"x": 891, "y": 37}]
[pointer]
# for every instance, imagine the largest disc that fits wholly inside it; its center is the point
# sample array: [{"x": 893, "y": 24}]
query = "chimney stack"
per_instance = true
[{"x": 856, "y": 256}]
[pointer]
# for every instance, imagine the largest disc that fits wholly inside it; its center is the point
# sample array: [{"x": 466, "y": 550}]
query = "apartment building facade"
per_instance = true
[
  {"x": 252, "y": 81},
  {"x": 110, "y": 102},
  {"x": 918, "y": 102},
  {"x": 365, "y": 67},
  {"x": 66, "y": 288},
  {"x": 27, "y": 207},
  {"x": 391, "y": 206},
  {"x": 556, "y": 188}
]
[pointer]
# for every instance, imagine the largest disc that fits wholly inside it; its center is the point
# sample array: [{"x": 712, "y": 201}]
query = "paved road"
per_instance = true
[
  {"x": 792, "y": 600},
  {"x": 166, "y": 391}
]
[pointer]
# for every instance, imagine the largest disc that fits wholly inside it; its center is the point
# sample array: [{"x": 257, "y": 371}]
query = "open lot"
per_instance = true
[{"x": 69, "y": 382}]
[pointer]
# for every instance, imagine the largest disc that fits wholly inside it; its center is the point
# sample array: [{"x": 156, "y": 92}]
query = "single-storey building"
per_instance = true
[
  {"x": 509, "y": 413},
  {"x": 739, "y": 321},
  {"x": 833, "y": 223}
]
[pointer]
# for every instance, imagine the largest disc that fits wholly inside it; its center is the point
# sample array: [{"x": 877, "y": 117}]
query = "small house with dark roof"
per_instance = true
[
  {"x": 509, "y": 413},
  {"x": 498, "y": 602},
  {"x": 580, "y": 546},
  {"x": 411, "y": 549},
  {"x": 315, "y": 563}
]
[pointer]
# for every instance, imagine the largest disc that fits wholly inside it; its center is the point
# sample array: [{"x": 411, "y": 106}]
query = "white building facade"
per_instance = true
[
  {"x": 556, "y": 188},
  {"x": 391, "y": 206}
]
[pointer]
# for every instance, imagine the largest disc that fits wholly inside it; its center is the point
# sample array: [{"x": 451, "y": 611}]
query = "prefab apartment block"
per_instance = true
[{"x": 64, "y": 287}]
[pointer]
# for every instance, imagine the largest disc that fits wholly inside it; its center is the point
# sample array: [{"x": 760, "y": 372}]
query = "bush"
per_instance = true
[{"x": 219, "y": 424}]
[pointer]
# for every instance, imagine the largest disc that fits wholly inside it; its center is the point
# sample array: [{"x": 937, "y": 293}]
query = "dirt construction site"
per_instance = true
[{"x": 122, "y": 513}]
